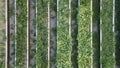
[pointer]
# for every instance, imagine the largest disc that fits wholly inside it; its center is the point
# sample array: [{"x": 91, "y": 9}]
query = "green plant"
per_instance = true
[
  {"x": 108, "y": 42},
  {"x": 2, "y": 34},
  {"x": 63, "y": 38},
  {"x": 42, "y": 34},
  {"x": 85, "y": 49},
  {"x": 2, "y": 48},
  {"x": 2, "y": 64},
  {"x": 21, "y": 32}
]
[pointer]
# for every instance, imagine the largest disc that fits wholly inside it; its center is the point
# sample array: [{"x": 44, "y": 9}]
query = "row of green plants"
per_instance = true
[
  {"x": 2, "y": 48},
  {"x": 85, "y": 49},
  {"x": 2, "y": 34},
  {"x": 21, "y": 33},
  {"x": 42, "y": 34},
  {"x": 63, "y": 38},
  {"x": 108, "y": 42}
]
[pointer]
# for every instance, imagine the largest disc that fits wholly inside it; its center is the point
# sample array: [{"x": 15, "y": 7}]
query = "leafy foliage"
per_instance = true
[
  {"x": 65, "y": 46},
  {"x": 21, "y": 26},
  {"x": 108, "y": 43},
  {"x": 2, "y": 34},
  {"x": 42, "y": 33},
  {"x": 84, "y": 35},
  {"x": 63, "y": 39}
]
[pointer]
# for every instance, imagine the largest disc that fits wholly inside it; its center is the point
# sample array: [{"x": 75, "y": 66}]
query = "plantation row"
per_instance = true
[
  {"x": 60, "y": 34},
  {"x": 2, "y": 34}
]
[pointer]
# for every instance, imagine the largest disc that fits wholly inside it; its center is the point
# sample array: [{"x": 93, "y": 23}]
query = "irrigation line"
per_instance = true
[
  {"x": 7, "y": 36},
  {"x": 28, "y": 33},
  {"x": 57, "y": 17},
  {"x": 113, "y": 21},
  {"x": 91, "y": 19},
  {"x": 70, "y": 21},
  {"x": 48, "y": 34},
  {"x": 78, "y": 2},
  {"x": 100, "y": 34},
  {"x": 36, "y": 30},
  {"x": 36, "y": 27},
  {"x": 70, "y": 17}
]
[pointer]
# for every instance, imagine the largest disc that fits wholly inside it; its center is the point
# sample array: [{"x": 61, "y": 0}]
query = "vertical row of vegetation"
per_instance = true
[
  {"x": 12, "y": 31},
  {"x": 84, "y": 35},
  {"x": 63, "y": 38},
  {"x": 21, "y": 33},
  {"x": 2, "y": 33},
  {"x": 32, "y": 34},
  {"x": 80, "y": 49},
  {"x": 74, "y": 32},
  {"x": 96, "y": 33},
  {"x": 53, "y": 33},
  {"x": 108, "y": 43},
  {"x": 117, "y": 31},
  {"x": 42, "y": 34}
]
